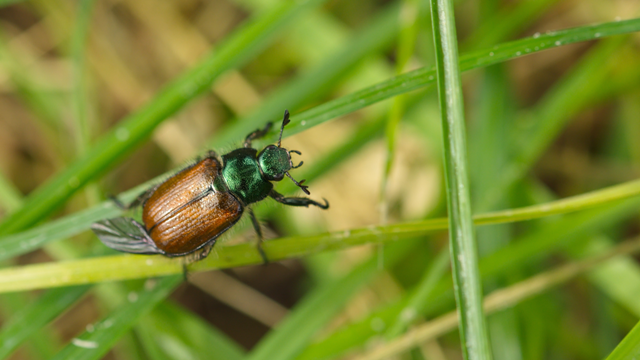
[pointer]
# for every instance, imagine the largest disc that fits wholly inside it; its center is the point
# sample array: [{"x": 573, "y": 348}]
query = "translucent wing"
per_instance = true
[{"x": 125, "y": 234}]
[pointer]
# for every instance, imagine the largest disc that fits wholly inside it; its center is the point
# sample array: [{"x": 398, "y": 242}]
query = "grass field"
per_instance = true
[{"x": 104, "y": 98}]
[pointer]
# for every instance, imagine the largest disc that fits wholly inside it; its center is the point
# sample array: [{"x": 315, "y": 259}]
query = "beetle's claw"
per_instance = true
[{"x": 304, "y": 187}]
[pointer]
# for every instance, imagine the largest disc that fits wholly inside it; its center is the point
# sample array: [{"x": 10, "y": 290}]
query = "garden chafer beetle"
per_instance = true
[{"x": 186, "y": 213}]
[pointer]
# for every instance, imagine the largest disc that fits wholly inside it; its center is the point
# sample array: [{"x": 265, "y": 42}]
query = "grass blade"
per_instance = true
[
  {"x": 10, "y": 197},
  {"x": 314, "y": 82},
  {"x": 505, "y": 23},
  {"x": 121, "y": 267},
  {"x": 79, "y": 98},
  {"x": 464, "y": 252},
  {"x": 94, "y": 344},
  {"x": 317, "y": 308},
  {"x": 504, "y": 298},
  {"x": 34, "y": 316},
  {"x": 406, "y": 43},
  {"x": 189, "y": 333},
  {"x": 625, "y": 271},
  {"x": 553, "y": 112},
  {"x": 419, "y": 300},
  {"x": 424, "y": 77},
  {"x": 629, "y": 347}
]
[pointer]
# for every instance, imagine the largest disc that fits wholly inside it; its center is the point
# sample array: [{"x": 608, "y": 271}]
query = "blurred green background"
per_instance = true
[{"x": 98, "y": 97}]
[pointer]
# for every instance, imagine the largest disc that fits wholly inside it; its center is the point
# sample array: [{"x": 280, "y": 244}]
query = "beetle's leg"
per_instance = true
[
  {"x": 204, "y": 252},
  {"x": 136, "y": 202},
  {"x": 297, "y": 201},
  {"x": 195, "y": 256},
  {"x": 185, "y": 271},
  {"x": 117, "y": 202},
  {"x": 257, "y": 135},
  {"x": 212, "y": 155},
  {"x": 256, "y": 226},
  {"x": 209, "y": 155}
]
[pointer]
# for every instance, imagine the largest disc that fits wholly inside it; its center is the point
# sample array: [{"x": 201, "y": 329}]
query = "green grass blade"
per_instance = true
[
  {"x": 35, "y": 315},
  {"x": 10, "y": 196},
  {"x": 120, "y": 267},
  {"x": 318, "y": 307},
  {"x": 360, "y": 137},
  {"x": 500, "y": 299},
  {"x": 406, "y": 44},
  {"x": 316, "y": 81},
  {"x": 94, "y": 344},
  {"x": 424, "y": 77},
  {"x": 626, "y": 272},
  {"x": 417, "y": 302},
  {"x": 79, "y": 97},
  {"x": 507, "y": 22},
  {"x": 553, "y": 112},
  {"x": 464, "y": 252},
  {"x": 239, "y": 48},
  {"x": 186, "y": 333},
  {"x": 629, "y": 347},
  {"x": 493, "y": 122},
  {"x": 550, "y": 236},
  {"x": 21, "y": 243},
  {"x": 488, "y": 154},
  {"x": 352, "y": 336}
]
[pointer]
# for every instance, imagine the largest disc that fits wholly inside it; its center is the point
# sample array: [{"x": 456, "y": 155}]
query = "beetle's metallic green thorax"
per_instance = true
[
  {"x": 219, "y": 184},
  {"x": 274, "y": 162},
  {"x": 243, "y": 176}
]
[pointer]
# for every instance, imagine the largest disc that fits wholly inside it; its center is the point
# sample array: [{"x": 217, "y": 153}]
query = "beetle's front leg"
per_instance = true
[
  {"x": 257, "y": 135},
  {"x": 256, "y": 226},
  {"x": 297, "y": 201}
]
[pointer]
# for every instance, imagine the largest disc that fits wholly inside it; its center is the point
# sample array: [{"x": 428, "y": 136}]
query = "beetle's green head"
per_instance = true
[{"x": 275, "y": 161}]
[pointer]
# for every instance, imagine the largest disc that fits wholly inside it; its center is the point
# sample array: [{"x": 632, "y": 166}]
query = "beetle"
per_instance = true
[{"x": 187, "y": 213}]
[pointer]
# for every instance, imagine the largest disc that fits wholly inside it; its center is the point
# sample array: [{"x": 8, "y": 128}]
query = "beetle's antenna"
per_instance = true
[
  {"x": 285, "y": 121},
  {"x": 290, "y": 162},
  {"x": 299, "y": 184}
]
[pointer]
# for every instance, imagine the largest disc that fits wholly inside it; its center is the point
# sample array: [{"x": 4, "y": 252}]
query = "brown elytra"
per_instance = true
[{"x": 185, "y": 212}]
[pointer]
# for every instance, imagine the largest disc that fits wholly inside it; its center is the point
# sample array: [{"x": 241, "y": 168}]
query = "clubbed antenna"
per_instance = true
[
  {"x": 285, "y": 121},
  {"x": 299, "y": 184}
]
